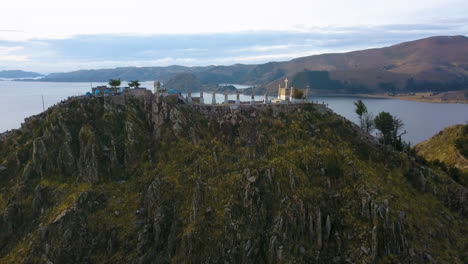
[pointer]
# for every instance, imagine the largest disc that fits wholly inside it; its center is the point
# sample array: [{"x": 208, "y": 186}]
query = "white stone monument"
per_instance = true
[
  {"x": 157, "y": 86},
  {"x": 213, "y": 99},
  {"x": 189, "y": 98},
  {"x": 291, "y": 97}
]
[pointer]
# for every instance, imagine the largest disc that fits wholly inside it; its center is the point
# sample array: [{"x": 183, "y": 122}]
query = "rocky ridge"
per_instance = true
[{"x": 148, "y": 180}]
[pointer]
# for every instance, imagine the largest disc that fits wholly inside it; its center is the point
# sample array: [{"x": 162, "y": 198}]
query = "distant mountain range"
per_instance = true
[
  {"x": 17, "y": 74},
  {"x": 436, "y": 63},
  {"x": 123, "y": 73}
]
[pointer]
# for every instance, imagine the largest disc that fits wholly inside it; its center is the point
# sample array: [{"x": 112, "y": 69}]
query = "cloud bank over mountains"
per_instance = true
[{"x": 108, "y": 35}]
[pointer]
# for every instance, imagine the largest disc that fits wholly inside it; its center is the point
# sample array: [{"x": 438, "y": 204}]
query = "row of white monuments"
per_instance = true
[
  {"x": 226, "y": 99},
  {"x": 266, "y": 100}
]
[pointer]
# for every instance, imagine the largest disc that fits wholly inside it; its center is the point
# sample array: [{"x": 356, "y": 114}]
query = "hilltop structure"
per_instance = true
[
  {"x": 290, "y": 94},
  {"x": 114, "y": 91},
  {"x": 157, "y": 86},
  {"x": 104, "y": 90},
  {"x": 286, "y": 94}
]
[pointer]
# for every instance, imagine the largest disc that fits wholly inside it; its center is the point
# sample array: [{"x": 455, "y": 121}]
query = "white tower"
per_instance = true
[
  {"x": 226, "y": 101},
  {"x": 213, "y": 99},
  {"x": 189, "y": 98},
  {"x": 201, "y": 98},
  {"x": 157, "y": 86},
  {"x": 291, "y": 96},
  {"x": 279, "y": 91}
]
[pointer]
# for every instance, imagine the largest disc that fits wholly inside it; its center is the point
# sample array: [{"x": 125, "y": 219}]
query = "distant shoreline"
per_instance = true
[
  {"x": 450, "y": 97},
  {"x": 455, "y": 97}
]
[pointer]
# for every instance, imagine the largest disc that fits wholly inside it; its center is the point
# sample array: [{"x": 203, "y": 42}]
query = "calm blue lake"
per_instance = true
[
  {"x": 19, "y": 100},
  {"x": 422, "y": 120}
]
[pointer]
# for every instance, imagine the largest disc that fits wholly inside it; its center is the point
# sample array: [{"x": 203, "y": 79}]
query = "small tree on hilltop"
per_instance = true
[
  {"x": 361, "y": 109},
  {"x": 384, "y": 123},
  {"x": 114, "y": 83},
  {"x": 390, "y": 127},
  {"x": 298, "y": 94},
  {"x": 134, "y": 84},
  {"x": 368, "y": 122}
]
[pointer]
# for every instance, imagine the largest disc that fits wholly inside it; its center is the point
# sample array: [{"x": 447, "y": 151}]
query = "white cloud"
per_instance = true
[
  {"x": 66, "y": 65},
  {"x": 8, "y": 54},
  {"x": 287, "y": 55},
  {"x": 264, "y": 48},
  {"x": 146, "y": 49},
  {"x": 71, "y": 65},
  {"x": 28, "y": 19}
]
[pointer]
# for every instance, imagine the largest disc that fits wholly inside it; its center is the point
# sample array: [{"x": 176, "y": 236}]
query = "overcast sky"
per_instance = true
[{"x": 52, "y": 35}]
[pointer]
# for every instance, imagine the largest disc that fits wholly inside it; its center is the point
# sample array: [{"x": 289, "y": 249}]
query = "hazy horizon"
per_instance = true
[{"x": 107, "y": 34}]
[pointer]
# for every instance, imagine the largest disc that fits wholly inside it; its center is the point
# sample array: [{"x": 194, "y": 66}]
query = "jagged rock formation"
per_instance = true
[{"x": 147, "y": 180}]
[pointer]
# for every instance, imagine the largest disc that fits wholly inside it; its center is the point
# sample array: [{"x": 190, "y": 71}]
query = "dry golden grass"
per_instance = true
[{"x": 442, "y": 147}]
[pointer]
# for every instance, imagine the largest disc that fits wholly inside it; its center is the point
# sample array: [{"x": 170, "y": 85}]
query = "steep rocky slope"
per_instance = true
[{"x": 148, "y": 180}]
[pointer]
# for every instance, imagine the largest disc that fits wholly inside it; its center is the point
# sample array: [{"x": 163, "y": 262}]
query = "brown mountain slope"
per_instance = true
[
  {"x": 437, "y": 59},
  {"x": 412, "y": 58},
  {"x": 435, "y": 63}
]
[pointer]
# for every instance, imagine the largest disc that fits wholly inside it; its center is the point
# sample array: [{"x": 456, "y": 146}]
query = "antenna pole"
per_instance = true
[
  {"x": 43, "y": 107},
  {"x": 42, "y": 95}
]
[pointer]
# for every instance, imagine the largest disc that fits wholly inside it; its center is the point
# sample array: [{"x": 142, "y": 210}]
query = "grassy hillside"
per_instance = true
[
  {"x": 449, "y": 146},
  {"x": 149, "y": 180},
  {"x": 442, "y": 147}
]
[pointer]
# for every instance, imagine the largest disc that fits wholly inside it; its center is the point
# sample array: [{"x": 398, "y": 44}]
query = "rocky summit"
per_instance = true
[{"x": 148, "y": 179}]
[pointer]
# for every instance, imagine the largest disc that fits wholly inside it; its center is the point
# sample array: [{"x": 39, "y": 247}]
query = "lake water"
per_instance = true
[
  {"x": 422, "y": 120},
  {"x": 19, "y": 100}
]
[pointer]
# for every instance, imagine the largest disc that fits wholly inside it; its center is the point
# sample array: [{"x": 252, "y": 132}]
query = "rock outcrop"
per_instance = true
[{"x": 146, "y": 179}]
